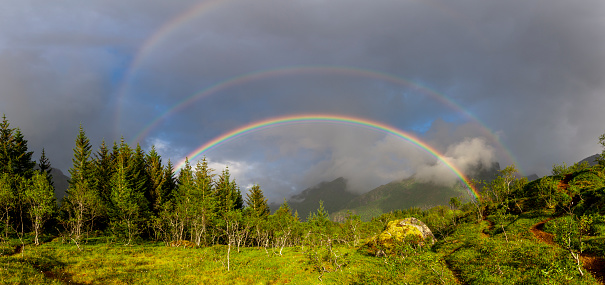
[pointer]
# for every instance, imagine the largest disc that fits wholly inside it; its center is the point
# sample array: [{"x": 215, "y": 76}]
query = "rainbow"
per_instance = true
[
  {"x": 300, "y": 70},
  {"x": 322, "y": 118}
]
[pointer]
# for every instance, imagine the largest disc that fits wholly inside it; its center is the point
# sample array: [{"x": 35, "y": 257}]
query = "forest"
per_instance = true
[{"x": 130, "y": 217}]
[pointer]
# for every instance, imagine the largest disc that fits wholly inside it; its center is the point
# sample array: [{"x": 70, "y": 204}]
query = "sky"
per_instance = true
[{"x": 510, "y": 81}]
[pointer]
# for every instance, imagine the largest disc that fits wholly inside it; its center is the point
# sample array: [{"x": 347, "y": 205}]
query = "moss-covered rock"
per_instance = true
[{"x": 399, "y": 232}]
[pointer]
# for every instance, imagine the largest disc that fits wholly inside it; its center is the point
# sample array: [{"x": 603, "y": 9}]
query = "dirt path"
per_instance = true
[
  {"x": 593, "y": 264},
  {"x": 455, "y": 272}
]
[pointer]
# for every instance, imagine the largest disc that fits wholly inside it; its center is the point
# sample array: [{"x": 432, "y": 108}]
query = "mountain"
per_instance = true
[
  {"x": 334, "y": 195},
  {"x": 592, "y": 160},
  {"x": 401, "y": 194},
  {"x": 61, "y": 183}
]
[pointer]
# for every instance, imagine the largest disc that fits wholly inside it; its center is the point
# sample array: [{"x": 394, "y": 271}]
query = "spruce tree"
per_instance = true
[
  {"x": 169, "y": 184},
  {"x": 228, "y": 194},
  {"x": 256, "y": 203},
  {"x": 45, "y": 168},
  {"x": 103, "y": 168},
  {"x": 155, "y": 173},
  {"x": 183, "y": 199},
  {"x": 21, "y": 158},
  {"x": 82, "y": 201},
  {"x": 140, "y": 181},
  {"x": 16, "y": 162},
  {"x": 204, "y": 209},
  {"x": 126, "y": 203}
]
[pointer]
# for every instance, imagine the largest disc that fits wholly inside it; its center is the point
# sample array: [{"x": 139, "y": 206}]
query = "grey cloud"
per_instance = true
[{"x": 531, "y": 71}]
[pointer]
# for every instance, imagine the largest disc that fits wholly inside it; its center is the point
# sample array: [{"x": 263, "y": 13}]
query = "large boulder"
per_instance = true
[{"x": 398, "y": 232}]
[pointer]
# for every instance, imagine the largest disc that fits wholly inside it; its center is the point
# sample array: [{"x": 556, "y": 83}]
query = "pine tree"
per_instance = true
[
  {"x": 229, "y": 197},
  {"x": 256, "y": 203},
  {"x": 169, "y": 184},
  {"x": 45, "y": 168},
  {"x": 204, "y": 209},
  {"x": 82, "y": 201},
  {"x": 15, "y": 159},
  {"x": 103, "y": 169},
  {"x": 22, "y": 162},
  {"x": 155, "y": 172},
  {"x": 140, "y": 182},
  {"x": 183, "y": 200},
  {"x": 126, "y": 202}
]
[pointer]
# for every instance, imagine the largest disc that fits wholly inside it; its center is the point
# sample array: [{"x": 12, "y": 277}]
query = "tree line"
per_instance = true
[{"x": 130, "y": 194}]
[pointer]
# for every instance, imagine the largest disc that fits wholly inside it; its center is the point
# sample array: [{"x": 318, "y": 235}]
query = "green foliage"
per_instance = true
[
  {"x": 155, "y": 171},
  {"x": 44, "y": 167},
  {"x": 7, "y": 200},
  {"x": 256, "y": 203},
  {"x": 127, "y": 204},
  {"x": 40, "y": 197},
  {"x": 82, "y": 202},
  {"x": 563, "y": 169}
]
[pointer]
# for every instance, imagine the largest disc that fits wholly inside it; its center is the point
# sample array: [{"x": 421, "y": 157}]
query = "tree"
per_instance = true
[
  {"x": 40, "y": 196},
  {"x": 320, "y": 225},
  {"x": 126, "y": 203},
  {"x": 283, "y": 225},
  {"x": 204, "y": 209},
  {"x": 155, "y": 173},
  {"x": 7, "y": 200},
  {"x": 15, "y": 158},
  {"x": 139, "y": 179},
  {"x": 169, "y": 184},
  {"x": 229, "y": 196},
  {"x": 256, "y": 203},
  {"x": 45, "y": 168},
  {"x": 103, "y": 170},
  {"x": 82, "y": 201}
]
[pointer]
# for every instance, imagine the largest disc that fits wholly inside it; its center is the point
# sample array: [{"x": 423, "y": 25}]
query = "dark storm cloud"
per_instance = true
[{"x": 531, "y": 71}]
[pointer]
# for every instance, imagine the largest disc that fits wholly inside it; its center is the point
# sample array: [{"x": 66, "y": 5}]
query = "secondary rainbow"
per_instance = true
[
  {"x": 322, "y": 118},
  {"x": 297, "y": 71}
]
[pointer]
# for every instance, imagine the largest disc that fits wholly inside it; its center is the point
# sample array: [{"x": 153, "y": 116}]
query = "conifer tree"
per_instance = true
[
  {"x": 256, "y": 203},
  {"x": 183, "y": 199},
  {"x": 204, "y": 202},
  {"x": 45, "y": 168},
  {"x": 155, "y": 172},
  {"x": 140, "y": 180},
  {"x": 21, "y": 158},
  {"x": 15, "y": 159},
  {"x": 228, "y": 194},
  {"x": 82, "y": 201},
  {"x": 126, "y": 202},
  {"x": 169, "y": 184},
  {"x": 103, "y": 169}
]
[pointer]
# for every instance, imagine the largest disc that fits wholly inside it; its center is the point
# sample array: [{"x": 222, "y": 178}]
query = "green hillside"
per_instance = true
[{"x": 404, "y": 194}]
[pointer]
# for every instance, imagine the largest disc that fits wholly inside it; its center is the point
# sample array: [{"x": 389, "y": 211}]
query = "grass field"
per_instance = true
[{"x": 473, "y": 253}]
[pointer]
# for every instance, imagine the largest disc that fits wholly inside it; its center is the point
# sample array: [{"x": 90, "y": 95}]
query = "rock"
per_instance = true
[{"x": 409, "y": 230}]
